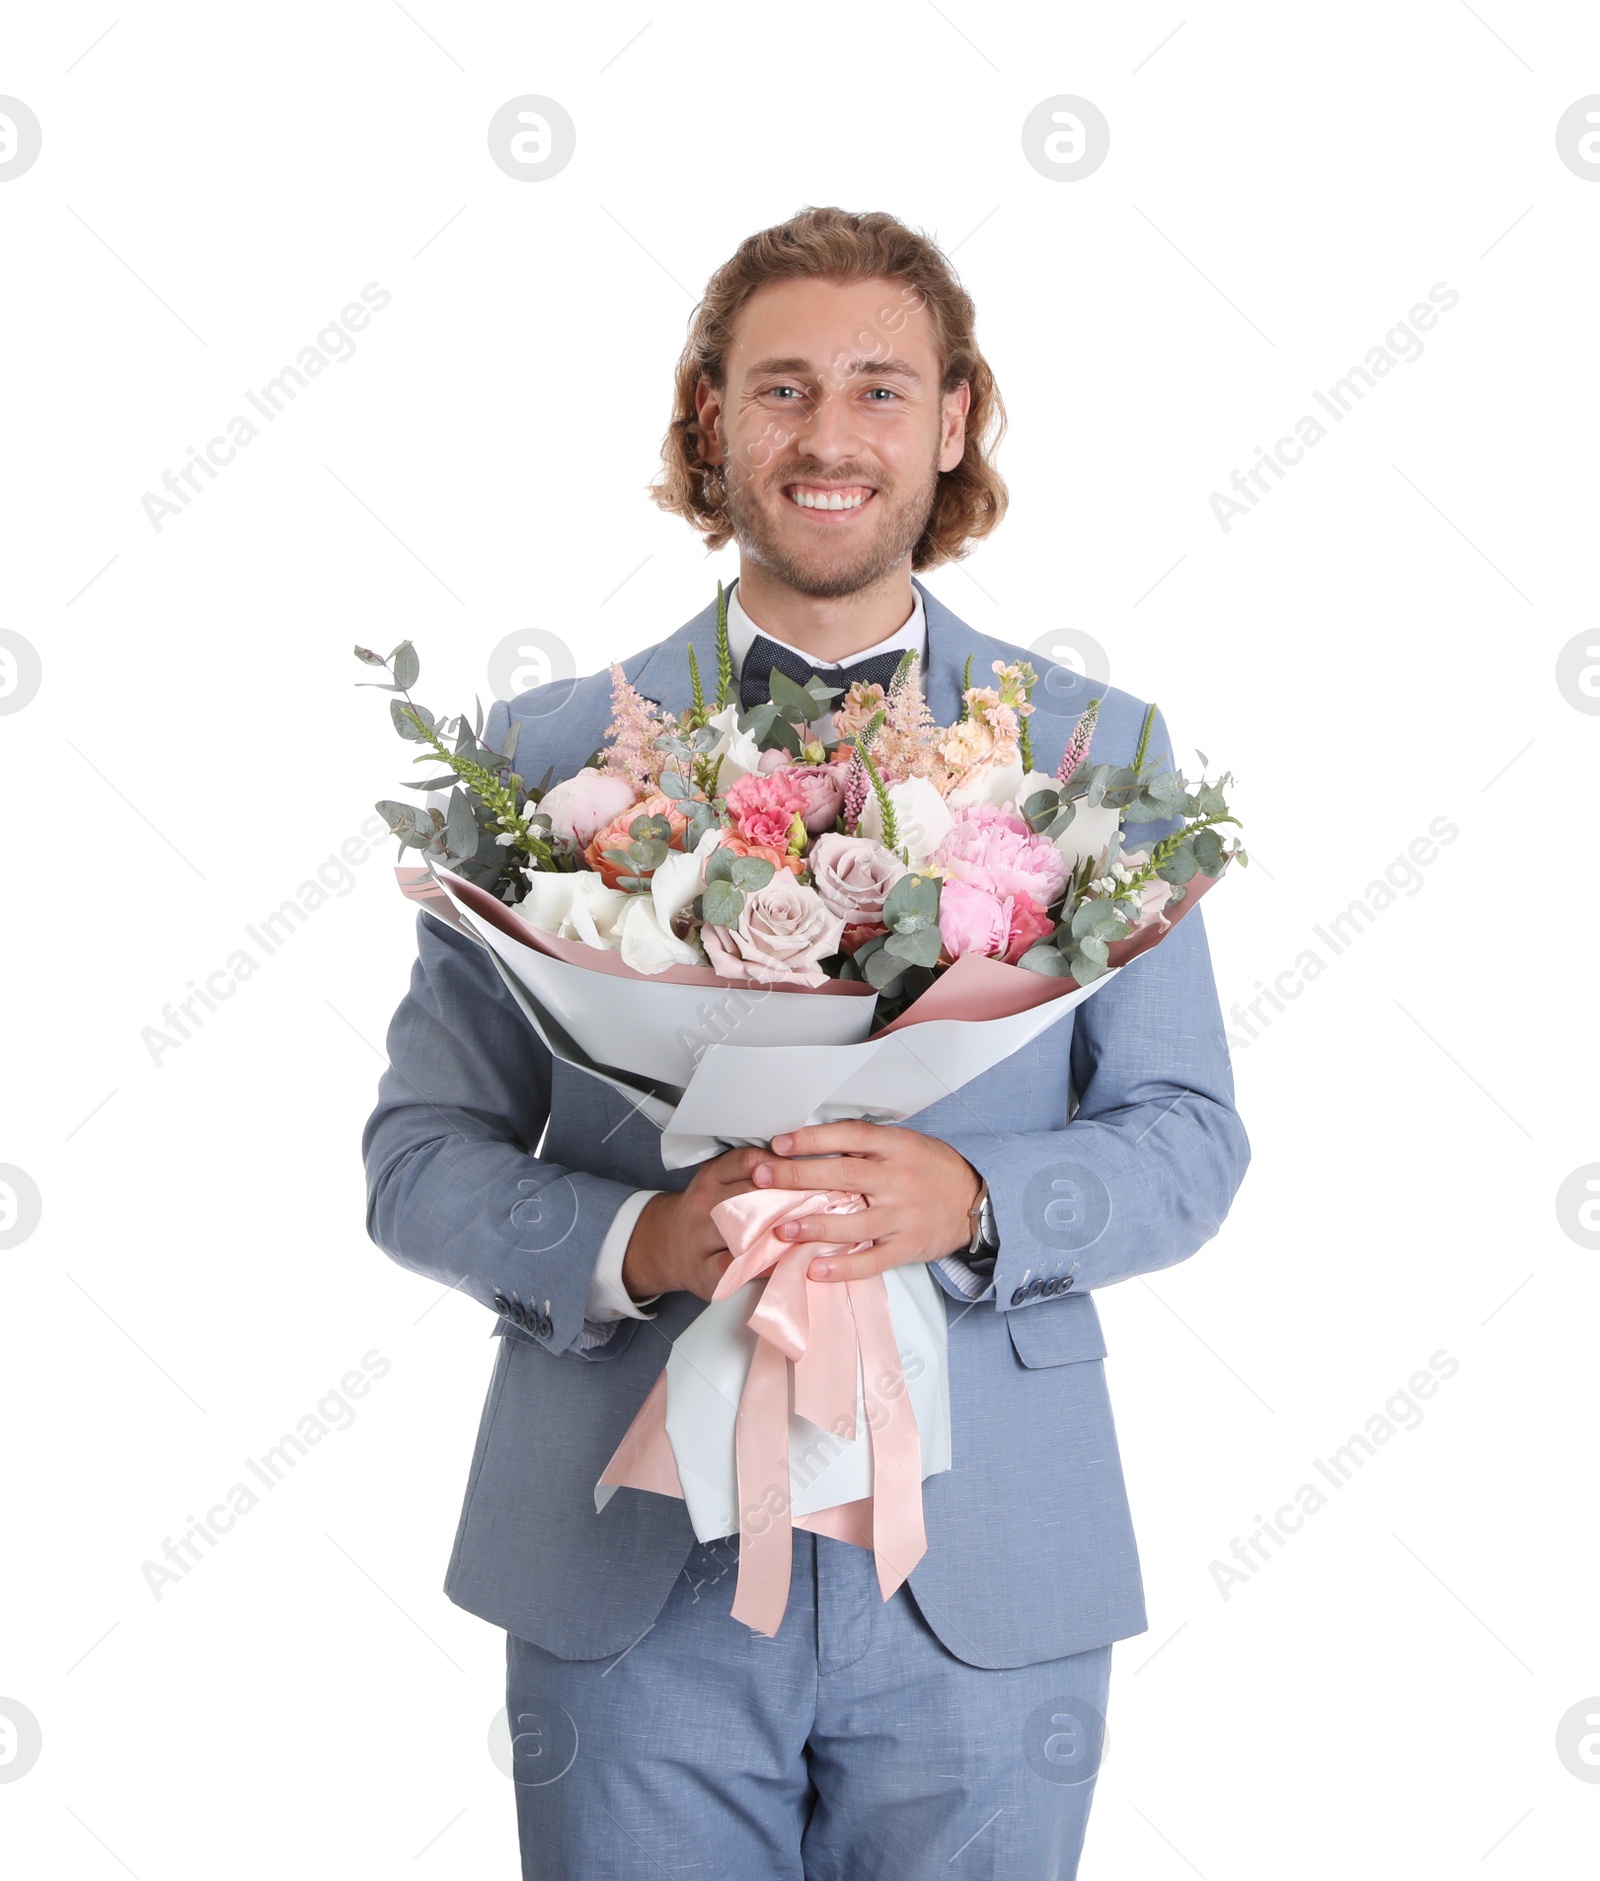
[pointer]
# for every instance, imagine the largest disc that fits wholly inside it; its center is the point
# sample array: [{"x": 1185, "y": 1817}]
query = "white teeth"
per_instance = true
[{"x": 833, "y": 501}]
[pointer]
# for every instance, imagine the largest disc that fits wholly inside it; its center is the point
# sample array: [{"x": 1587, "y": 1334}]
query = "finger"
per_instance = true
[
  {"x": 834, "y": 1139},
  {"x": 897, "y": 1251},
  {"x": 866, "y": 1224},
  {"x": 857, "y": 1173}
]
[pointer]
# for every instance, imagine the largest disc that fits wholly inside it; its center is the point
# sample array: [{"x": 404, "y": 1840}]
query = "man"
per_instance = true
[{"x": 835, "y": 417}]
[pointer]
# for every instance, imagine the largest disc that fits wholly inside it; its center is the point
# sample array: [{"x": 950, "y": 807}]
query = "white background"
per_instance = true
[{"x": 1374, "y": 646}]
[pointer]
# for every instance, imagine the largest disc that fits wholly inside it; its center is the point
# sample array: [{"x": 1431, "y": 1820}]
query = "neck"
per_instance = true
[{"x": 831, "y": 628}]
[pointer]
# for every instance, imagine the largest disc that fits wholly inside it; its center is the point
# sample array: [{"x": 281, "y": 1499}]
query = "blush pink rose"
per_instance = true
[
  {"x": 764, "y": 806},
  {"x": 782, "y": 933},
  {"x": 581, "y": 806},
  {"x": 973, "y": 921},
  {"x": 1029, "y": 923},
  {"x": 993, "y": 848}
]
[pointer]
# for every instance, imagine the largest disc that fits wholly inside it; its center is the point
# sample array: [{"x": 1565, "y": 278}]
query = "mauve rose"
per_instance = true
[
  {"x": 972, "y": 921},
  {"x": 853, "y": 875},
  {"x": 582, "y": 806},
  {"x": 824, "y": 788},
  {"x": 994, "y": 849},
  {"x": 783, "y": 931},
  {"x": 1029, "y": 923}
]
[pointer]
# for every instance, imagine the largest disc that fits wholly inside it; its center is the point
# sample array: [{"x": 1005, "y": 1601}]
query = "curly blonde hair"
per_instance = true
[{"x": 837, "y": 245}]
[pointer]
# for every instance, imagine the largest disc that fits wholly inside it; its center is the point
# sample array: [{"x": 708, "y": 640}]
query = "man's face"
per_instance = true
[{"x": 832, "y": 397}]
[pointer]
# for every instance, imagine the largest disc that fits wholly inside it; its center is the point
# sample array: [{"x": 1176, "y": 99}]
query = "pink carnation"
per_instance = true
[
  {"x": 993, "y": 848},
  {"x": 764, "y": 807},
  {"x": 1029, "y": 924}
]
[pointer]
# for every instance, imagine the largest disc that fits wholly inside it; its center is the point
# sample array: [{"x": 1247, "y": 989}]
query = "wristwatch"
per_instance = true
[{"x": 985, "y": 1242}]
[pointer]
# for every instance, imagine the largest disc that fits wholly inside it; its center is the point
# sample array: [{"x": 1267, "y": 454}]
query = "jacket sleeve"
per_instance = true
[
  {"x": 455, "y": 1189},
  {"x": 1145, "y": 1170}
]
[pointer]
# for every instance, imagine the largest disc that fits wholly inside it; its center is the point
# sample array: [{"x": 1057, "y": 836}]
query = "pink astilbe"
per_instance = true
[
  {"x": 855, "y": 792},
  {"x": 908, "y": 744},
  {"x": 1078, "y": 744},
  {"x": 635, "y": 725}
]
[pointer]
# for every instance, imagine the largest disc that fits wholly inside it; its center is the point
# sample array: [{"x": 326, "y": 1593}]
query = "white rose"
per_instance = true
[
  {"x": 575, "y": 906},
  {"x": 922, "y": 818},
  {"x": 736, "y": 753}
]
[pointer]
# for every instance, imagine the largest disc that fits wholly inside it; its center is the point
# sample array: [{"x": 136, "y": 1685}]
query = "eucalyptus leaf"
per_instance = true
[
  {"x": 792, "y": 700},
  {"x": 723, "y": 904},
  {"x": 400, "y": 712},
  {"x": 367, "y": 655},
  {"x": 1048, "y": 960},
  {"x": 752, "y": 872},
  {"x": 882, "y": 970},
  {"x": 917, "y": 949},
  {"x": 1180, "y": 866},
  {"x": 719, "y": 866},
  {"x": 461, "y": 826},
  {"x": 406, "y": 665}
]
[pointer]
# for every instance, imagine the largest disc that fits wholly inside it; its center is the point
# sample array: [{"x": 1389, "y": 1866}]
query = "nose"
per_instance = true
[{"x": 831, "y": 432}]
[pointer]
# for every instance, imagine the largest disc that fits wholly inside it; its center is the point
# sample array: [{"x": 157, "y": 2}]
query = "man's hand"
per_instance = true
[
  {"x": 675, "y": 1246},
  {"x": 920, "y": 1194}
]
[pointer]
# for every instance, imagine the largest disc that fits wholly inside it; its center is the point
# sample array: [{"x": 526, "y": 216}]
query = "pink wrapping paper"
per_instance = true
[{"x": 809, "y": 1331}]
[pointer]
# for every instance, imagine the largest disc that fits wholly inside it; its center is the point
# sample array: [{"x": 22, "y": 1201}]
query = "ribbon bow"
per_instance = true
[{"x": 819, "y": 1328}]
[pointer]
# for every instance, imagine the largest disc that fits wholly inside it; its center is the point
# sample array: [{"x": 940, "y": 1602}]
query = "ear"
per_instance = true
[
  {"x": 953, "y": 434},
  {"x": 708, "y": 409}
]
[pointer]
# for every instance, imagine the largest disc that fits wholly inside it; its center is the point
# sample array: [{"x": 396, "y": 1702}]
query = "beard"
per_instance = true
[{"x": 827, "y": 569}]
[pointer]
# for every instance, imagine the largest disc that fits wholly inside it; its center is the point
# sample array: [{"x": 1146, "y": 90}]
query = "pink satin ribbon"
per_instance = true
[{"x": 817, "y": 1327}]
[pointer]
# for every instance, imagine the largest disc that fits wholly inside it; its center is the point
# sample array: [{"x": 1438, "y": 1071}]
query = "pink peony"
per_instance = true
[
  {"x": 582, "y": 806},
  {"x": 974, "y": 921},
  {"x": 782, "y": 932},
  {"x": 764, "y": 806},
  {"x": 1029, "y": 923},
  {"x": 992, "y": 848},
  {"x": 854, "y": 875}
]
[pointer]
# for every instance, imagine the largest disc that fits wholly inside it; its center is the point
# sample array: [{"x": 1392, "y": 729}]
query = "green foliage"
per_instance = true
[{"x": 481, "y": 833}]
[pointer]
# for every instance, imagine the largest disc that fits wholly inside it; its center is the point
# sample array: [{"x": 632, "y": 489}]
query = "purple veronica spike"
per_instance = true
[{"x": 1078, "y": 745}]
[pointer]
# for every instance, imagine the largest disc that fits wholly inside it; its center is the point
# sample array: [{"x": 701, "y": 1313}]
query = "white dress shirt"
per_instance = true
[{"x": 608, "y": 1299}]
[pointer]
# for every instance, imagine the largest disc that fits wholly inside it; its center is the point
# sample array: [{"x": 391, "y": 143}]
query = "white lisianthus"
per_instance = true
[
  {"x": 1087, "y": 834},
  {"x": 922, "y": 819},
  {"x": 1005, "y": 783},
  {"x": 648, "y": 942},
  {"x": 735, "y": 753},
  {"x": 575, "y": 906}
]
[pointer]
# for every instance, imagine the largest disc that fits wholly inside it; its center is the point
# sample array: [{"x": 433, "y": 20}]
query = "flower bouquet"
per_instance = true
[{"x": 751, "y": 921}]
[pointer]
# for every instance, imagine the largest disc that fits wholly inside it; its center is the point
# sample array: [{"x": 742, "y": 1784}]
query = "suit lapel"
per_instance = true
[
  {"x": 664, "y": 674},
  {"x": 950, "y": 640}
]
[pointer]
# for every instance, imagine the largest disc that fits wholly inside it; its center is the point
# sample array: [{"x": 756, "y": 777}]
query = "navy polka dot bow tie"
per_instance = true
[{"x": 766, "y": 657}]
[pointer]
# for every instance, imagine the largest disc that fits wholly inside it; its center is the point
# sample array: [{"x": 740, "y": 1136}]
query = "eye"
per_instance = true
[
  {"x": 887, "y": 390},
  {"x": 772, "y": 390}
]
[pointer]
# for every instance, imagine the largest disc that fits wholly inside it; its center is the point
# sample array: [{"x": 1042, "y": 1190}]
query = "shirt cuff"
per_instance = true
[
  {"x": 608, "y": 1297},
  {"x": 971, "y": 1283}
]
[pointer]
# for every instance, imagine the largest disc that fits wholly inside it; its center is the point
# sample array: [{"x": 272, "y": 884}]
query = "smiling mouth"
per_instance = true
[{"x": 829, "y": 499}]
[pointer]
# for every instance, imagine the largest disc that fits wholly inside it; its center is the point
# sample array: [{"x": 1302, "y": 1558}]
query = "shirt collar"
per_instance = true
[{"x": 742, "y": 631}]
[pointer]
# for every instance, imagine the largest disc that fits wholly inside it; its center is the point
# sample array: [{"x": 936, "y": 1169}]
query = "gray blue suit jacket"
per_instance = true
[{"x": 1111, "y": 1148}]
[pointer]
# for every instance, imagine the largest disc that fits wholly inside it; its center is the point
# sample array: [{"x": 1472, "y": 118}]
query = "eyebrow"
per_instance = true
[{"x": 897, "y": 368}]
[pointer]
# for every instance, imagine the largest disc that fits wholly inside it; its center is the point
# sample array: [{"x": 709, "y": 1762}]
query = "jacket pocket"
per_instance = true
[{"x": 1056, "y": 1332}]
